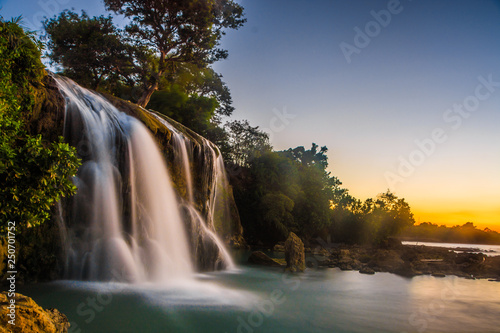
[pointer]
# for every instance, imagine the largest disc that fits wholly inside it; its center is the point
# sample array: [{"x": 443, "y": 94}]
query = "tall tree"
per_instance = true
[
  {"x": 90, "y": 50},
  {"x": 179, "y": 31}
]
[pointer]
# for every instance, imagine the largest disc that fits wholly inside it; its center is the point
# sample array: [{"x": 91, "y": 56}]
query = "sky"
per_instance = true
[{"x": 405, "y": 94}]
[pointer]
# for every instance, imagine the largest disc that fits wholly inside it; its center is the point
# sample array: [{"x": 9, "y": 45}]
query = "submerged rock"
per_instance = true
[
  {"x": 295, "y": 254},
  {"x": 30, "y": 317},
  {"x": 260, "y": 258}
]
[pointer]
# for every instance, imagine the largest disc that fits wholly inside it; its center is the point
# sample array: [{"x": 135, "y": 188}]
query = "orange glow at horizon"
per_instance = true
[{"x": 451, "y": 217}]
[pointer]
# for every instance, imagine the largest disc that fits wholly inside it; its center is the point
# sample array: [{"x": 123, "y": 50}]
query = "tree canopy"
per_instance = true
[
  {"x": 282, "y": 191},
  {"x": 178, "y": 31},
  {"x": 91, "y": 50}
]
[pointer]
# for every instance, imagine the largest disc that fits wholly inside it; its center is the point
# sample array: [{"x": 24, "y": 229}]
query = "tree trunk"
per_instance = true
[{"x": 146, "y": 95}]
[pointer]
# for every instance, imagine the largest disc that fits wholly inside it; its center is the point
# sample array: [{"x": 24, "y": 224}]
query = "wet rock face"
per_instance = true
[
  {"x": 295, "y": 254},
  {"x": 30, "y": 317}
]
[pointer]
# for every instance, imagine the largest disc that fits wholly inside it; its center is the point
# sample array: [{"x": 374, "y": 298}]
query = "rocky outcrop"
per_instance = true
[
  {"x": 260, "y": 258},
  {"x": 30, "y": 317},
  {"x": 409, "y": 261},
  {"x": 47, "y": 116},
  {"x": 386, "y": 261},
  {"x": 294, "y": 254}
]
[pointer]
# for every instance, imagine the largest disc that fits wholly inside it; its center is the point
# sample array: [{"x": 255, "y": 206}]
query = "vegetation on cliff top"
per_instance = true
[{"x": 161, "y": 59}]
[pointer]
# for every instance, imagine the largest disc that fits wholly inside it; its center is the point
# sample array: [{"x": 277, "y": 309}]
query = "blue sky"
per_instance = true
[{"x": 288, "y": 74}]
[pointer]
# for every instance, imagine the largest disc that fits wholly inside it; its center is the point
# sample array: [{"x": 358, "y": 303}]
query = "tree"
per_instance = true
[
  {"x": 193, "y": 111},
  {"x": 204, "y": 82},
  {"x": 197, "y": 98},
  {"x": 91, "y": 50},
  {"x": 311, "y": 157},
  {"x": 312, "y": 205},
  {"x": 387, "y": 216},
  {"x": 264, "y": 192},
  {"x": 279, "y": 192},
  {"x": 178, "y": 31},
  {"x": 34, "y": 174},
  {"x": 245, "y": 142}
]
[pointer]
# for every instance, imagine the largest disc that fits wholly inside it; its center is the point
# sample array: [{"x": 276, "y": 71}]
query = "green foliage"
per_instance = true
[
  {"x": 279, "y": 192},
  {"x": 373, "y": 221},
  {"x": 387, "y": 216},
  {"x": 92, "y": 51},
  {"x": 197, "y": 98},
  {"x": 204, "y": 82},
  {"x": 34, "y": 174},
  {"x": 291, "y": 190},
  {"x": 192, "y": 111},
  {"x": 277, "y": 212}
]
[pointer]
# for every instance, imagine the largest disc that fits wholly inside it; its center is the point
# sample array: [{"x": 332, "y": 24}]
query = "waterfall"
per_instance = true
[
  {"x": 216, "y": 200},
  {"x": 126, "y": 222}
]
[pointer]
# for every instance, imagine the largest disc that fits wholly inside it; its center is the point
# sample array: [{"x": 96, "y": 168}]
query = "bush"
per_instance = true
[{"x": 34, "y": 173}]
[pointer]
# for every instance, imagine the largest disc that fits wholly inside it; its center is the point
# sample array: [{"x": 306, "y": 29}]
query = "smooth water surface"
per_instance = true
[{"x": 255, "y": 299}]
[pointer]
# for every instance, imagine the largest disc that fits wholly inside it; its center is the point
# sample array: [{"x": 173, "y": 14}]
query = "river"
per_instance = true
[{"x": 255, "y": 299}]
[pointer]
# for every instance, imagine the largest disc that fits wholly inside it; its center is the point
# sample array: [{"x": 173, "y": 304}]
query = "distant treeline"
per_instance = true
[{"x": 467, "y": 233}]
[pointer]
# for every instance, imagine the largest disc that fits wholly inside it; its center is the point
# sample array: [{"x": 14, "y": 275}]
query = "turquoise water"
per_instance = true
[{"x": 256, "y": 299}]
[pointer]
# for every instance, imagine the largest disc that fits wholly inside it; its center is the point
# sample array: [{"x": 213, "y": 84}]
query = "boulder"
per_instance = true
[
  {"x": 260, "y": 258},
  {"x": 294, "y": 254},
  {"x": 30, "y": 317},
  {"x": 367, "y": 270},
  {"x": 386, "y": 261}
]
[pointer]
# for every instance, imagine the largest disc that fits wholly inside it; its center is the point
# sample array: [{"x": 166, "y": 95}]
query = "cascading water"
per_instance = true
[
  {"x": 125, "y": 223},
  {"x": 198, "y": 223}
]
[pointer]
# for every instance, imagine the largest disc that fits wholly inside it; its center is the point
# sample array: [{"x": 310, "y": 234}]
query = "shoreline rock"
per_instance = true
[
  {"x": 294, "y": 254},
  {"x": 30, "y": 317},
  {"x": 412, "y": 260}
]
